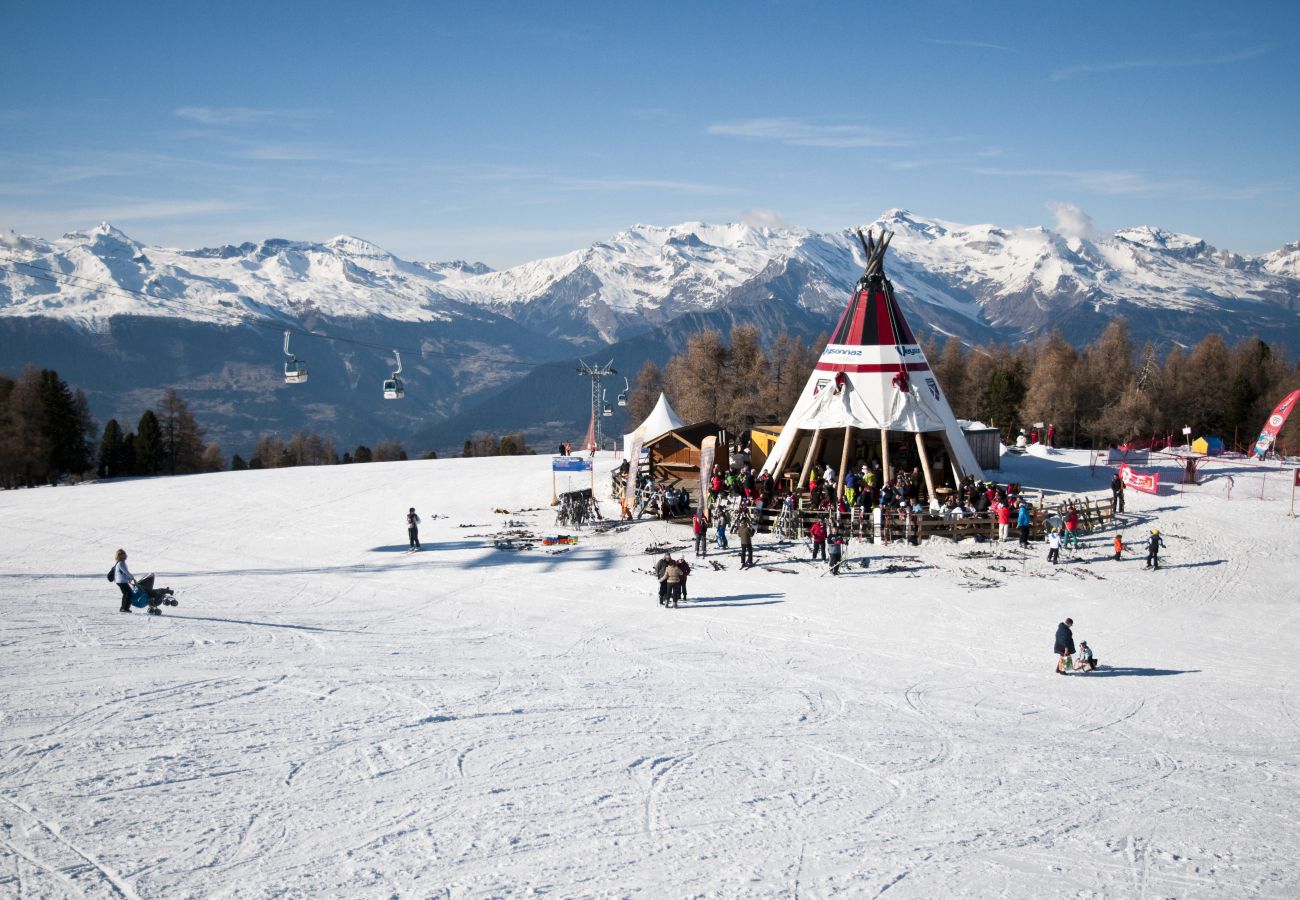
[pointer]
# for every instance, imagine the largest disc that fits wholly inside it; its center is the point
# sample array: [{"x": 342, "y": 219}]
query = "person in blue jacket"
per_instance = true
[{"x": 1024, "y": 518}]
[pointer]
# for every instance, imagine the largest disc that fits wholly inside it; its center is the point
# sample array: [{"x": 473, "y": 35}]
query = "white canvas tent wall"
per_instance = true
[
  {"x": 662, "y": 419},
  {"x": 871, "y": 377}
]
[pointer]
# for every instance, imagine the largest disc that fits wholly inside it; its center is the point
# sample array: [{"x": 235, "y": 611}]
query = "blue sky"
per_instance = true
[{"x": 507, "y": 131}]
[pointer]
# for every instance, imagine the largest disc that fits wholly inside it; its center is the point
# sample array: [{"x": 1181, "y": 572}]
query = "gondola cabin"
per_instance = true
[
  {"x": 393, "y": 389},
  {"x": 295, "y": 371}
]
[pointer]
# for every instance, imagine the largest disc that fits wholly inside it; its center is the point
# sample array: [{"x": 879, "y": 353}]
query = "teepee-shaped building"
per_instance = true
[{"x": 872, "y": 395}]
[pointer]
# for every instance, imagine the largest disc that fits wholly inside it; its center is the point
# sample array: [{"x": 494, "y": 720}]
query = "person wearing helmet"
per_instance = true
[{"x": 1154, "y": 543}]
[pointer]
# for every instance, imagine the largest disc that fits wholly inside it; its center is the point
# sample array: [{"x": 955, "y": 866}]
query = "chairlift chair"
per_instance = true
[
  {"x": 295, "y": 369},
  {"x": 604, "y": 405},
  {"x": 393, "y": 389},
  {"x": 622, "y": 398}
]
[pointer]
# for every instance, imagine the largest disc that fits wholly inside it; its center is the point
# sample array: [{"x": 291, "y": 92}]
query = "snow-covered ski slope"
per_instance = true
[{"x": 324, "y": 715}]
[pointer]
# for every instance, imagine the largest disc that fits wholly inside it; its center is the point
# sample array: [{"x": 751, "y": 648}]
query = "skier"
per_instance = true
[
  {"x": 700, "y": 525},
  {"x": 413, "y": 528},
  {"x": 836, "y": 546},
  {"x": 818, "y": 534},
  {"x": 1119, "y": 546},
  {"x": 1117, "y": 493},
  {"x": 745, "y": 532},
  {"x": 721, "y": 519},
  {"x": 123, "y": 578},
  {"x": 1086, "y": 660},
  {"x": 1054, "y": 546},
  {"x": 1064, "y": 646},
  {"x": 1023, "y": 520},
  {"x": 1154, "y": 543}
]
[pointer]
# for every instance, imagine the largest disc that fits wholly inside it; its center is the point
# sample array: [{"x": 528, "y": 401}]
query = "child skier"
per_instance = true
[
  {"x": 1154, "y": 543},
  {"x": 1119, "y": 545},
  {"x": 1053, "y": 546}
]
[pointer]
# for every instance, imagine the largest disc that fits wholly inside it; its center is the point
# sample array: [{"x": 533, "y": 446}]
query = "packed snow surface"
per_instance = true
[{"x": 324, "y": 715}]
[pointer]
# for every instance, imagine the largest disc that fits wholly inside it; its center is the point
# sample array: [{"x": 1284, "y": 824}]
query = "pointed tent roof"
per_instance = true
[
  {"x": 662, "y": 419},
  {"x": 873, "y": 375}
]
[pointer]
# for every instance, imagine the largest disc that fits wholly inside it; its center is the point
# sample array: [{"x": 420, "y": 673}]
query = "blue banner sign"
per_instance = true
[{"x": 570, "y": 464}]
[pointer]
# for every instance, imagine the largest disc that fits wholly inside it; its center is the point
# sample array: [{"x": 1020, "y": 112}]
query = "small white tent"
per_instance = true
[
  {"x": 872, "y": 389},
  {"x": 662, "y": 419}
]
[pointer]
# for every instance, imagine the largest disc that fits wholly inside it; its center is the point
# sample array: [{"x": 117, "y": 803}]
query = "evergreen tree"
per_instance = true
[
  {"x": 362, "y": 454},
  {"x": 149, "y": 453},
  {"x": 112, "y": 455},
  {"x": 237, "y": 463},
  {"x": 65, "y": 424}
]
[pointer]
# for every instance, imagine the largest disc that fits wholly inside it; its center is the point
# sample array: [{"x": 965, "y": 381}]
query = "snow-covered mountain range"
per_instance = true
[
  {"x": 648, "y": 285},
  {"x": 966, "y": 280}
]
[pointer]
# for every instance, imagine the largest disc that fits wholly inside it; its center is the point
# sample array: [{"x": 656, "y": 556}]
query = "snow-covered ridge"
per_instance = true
[{"x": 982, "y": 273}]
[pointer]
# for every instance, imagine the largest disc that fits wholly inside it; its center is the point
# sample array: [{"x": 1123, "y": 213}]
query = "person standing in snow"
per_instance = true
[
  {"x": 745, "y": 532},
  {"x": 1154, "y": 543},
  {"x": 818, "y": 534},
  {"x": 123, "y": 578},
  {"x": 1054, "y": 546},
  {"x": 661, "y": 573},
  {"x": 1119, "y": 546},
  {"x": 1117, "y": 493},
  {"x": 673, "y": 580},
  {"x": 685, "y": 571},
  {"x": 1003, "y": 513},
  {"x": 1064, "y": 646},
  {"x": 1051, "y": 435},
  {"x": 835, "y": 543},
  {"x": 721, "y": 518},
  {"x": 700, "y": 525},
  {"x": 1023, "y": 520},
  {"x": 413, "y": 528}
]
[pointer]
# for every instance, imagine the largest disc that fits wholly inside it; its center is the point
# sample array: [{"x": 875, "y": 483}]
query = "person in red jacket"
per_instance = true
[
  {"x": 700, "y": 524},
  {"x": 1071, "y": 538},
  {"x": 1004, "y": 520},
  {"x": 818, "y": 535}
]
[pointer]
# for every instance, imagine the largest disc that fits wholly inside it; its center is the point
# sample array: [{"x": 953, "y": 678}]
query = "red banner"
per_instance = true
[
  {"x": 1297, "y": 477},
  {"x": 1275, "y": 423},
  {"x": 1148, "y": 484}
]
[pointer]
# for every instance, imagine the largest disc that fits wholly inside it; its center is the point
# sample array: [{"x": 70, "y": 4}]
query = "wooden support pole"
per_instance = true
[
  {"x": 844, "y": 460},
  {"x": 925, "y": 465},
  {"x": 808, "y": 460},
  {"x": 884, "y": 457}
]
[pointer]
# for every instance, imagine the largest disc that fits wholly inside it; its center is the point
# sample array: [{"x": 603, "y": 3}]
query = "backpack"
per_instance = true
[{"x": 112, "y": 572}]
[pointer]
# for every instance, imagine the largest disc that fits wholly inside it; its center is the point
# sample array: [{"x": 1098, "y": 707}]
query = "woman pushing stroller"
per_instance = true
[{"x": 142, "y": 589}]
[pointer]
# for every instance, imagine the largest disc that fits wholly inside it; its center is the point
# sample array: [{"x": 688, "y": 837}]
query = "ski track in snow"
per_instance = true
[{"x": 321, "y": 716}]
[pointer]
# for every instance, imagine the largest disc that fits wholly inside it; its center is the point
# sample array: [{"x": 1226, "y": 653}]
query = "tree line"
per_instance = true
[{"x": 1108, "y": 392}]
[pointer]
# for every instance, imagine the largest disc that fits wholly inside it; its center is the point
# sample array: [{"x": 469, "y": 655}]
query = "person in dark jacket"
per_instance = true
[
  {"x": 1154, "y": 543},
  {"x": 745, "y": 532},
  {"x": 1117, "y": 493},
  {"x": 661, "y": 572},
  {"x": 1064, "y": 645},
  {"x": 413, "y": 528}
]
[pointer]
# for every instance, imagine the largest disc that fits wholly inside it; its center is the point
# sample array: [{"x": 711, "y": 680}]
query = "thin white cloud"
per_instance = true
[
  {"x": 805, "y": 133},
  {"x": 1105, "y": 181},
  {"x": 763, "y": 218},
  {"x": 637, "y": 184},
  {"x": 242, "y": 115},
  {"x": 1091, "y": 68},
  {"x": 978, "y": 45}
]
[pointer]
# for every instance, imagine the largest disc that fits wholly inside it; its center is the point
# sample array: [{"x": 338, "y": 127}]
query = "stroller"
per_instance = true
[{"x": 145, "y": 594}]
